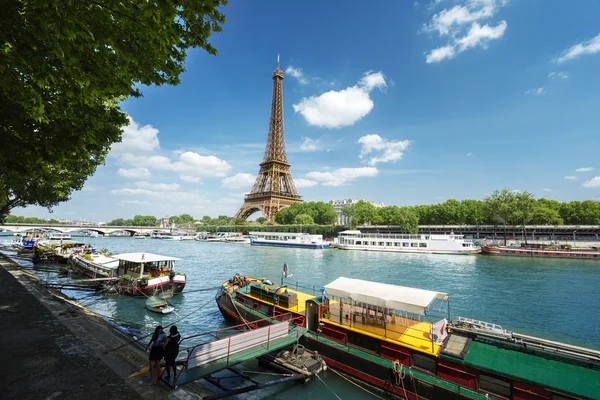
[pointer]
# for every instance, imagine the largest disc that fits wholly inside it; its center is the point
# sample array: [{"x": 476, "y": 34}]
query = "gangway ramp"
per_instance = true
[{"x": 210, "y": 357}]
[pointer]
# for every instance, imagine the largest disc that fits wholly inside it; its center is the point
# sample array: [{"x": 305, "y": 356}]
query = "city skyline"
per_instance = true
[{"x": 403, "y": 104}]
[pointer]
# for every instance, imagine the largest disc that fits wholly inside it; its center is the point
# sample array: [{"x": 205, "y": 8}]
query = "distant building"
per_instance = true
[{"x": 338, "y": 206}]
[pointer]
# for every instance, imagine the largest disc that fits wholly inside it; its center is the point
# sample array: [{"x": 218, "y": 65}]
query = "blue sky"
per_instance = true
[{"x": 397, "y": 102}]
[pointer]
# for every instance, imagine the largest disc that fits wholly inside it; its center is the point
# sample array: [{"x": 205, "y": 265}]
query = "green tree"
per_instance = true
[
  {"x": 348, "y": 212},
  {"x": 186, "y": 219},
  {"x": 472, "y": 212},
  {"x": 546, "y": 216},
  {"x": 523, "y": 212},
  {"x": 117, "y": 222},
  {"x": 174, "y": 220},
  {"x": 500, "y": 208},
  {"x": 304, "y": 219},
  {"x": 64, "y": 66},
  {"x": 364, "y": 212},
  {"x": 323, "y": 213},
  {"x": 261, "y": 220}
]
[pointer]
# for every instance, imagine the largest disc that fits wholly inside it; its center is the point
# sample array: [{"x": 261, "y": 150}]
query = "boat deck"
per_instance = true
[
  {"x": 398, "y": 330},
  {"x": 298, "y": 309},
  {"x": 545, "y": 372}
]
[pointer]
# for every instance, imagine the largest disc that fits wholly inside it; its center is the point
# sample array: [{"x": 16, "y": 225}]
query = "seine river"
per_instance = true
[{"x": 555, "y": 299}]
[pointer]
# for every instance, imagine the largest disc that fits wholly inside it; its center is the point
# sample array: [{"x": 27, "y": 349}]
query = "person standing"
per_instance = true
[
  {"x": 157, "y": 352},
  {"x": 172, "y": 350}
]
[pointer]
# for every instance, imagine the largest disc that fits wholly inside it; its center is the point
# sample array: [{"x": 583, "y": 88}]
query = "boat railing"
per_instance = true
[{"x": 210, "y": 336}]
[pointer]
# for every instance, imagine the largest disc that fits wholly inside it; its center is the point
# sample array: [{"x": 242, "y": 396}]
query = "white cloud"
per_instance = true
[
  {"x": 469, "y": 154},
  {"x": 133, "y": 202},
  {"x": 134, "y": 173},
  {"x": 547, "y": 190},
  {"x": 480, "y": 35},
  {"x": 136, "y": 139},
  {"x": 391, "y": 151},
  {"x": 558, "y": 75},
  {"x": 162, "y": 187},
  {"x": 439, "y": 54},
  {"x": 341, "y": 176},
  {"x": 304, "y": 183},
  {"x": 297, "y": 73},
  {"x": 585, "y": 169},
  {"x": 448, "y": 21},
  {"x": 190, "y": 178},
  {"x": 451, "y": 22},
  {"x": 335, "y": 109},
  {"x": 588, "y": 47},
  {"x": 536, "y": 91},
  {"x": 238, "y": 180},
  {"x": 571, "y": 178},
  {"x": 592, "y": 183},
  {"x": 189, "y": 164},
  {"x": 194, "y": 164},
  {"x": 310, "y": 144}
]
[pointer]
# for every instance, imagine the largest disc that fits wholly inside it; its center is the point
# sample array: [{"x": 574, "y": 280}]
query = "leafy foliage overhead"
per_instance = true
[{"x": 65, "y": 65}]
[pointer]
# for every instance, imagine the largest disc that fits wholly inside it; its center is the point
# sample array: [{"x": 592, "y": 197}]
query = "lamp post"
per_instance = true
[
  {"x": 477, "y": 224},
  {"x": 574, "y": 238}
]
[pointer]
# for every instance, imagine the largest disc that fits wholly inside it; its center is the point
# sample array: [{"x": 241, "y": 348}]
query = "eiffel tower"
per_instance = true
[{"x": 274, "y": 188}]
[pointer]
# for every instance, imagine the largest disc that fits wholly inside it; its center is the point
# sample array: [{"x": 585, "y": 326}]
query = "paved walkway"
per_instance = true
[{"x": 52, "y": 350}]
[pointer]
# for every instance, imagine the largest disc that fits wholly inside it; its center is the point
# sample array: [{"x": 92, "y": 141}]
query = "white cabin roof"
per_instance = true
[
  {"x": 350, "y": 232},
  {"x": 402, "y": 298},
  {"x": 144, "y": 257}
]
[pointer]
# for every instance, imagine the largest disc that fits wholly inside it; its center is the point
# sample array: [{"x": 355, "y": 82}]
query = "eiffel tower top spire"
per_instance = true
[{"x": 275, "y": 150}]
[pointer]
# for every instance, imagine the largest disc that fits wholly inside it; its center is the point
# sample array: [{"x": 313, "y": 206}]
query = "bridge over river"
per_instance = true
[{"x": 102, "y": 229}]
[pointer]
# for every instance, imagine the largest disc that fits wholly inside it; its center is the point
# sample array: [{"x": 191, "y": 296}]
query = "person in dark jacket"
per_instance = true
[
  {"x": 172, "y": 350},
  {"x": 157, "y": 352}
]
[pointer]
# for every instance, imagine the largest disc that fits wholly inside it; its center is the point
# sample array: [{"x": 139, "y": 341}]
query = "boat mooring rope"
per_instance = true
[
  {"x": 355, "y": 384},
  {"x": 326, "y": 385}
]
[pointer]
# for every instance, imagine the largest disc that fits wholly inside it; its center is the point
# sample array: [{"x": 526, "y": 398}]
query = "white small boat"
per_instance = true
[{"x": 159, "y": 305}]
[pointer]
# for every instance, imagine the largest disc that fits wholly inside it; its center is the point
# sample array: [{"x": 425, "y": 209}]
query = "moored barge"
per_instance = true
[
  {"x": 543, "y": 251},
  {"x": 399, "y": 340}
]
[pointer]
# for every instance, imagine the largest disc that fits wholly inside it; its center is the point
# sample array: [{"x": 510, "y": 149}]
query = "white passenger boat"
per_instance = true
[
  {"x": 423, "y": 243},
  {"x": 59, "y": 236},
  {"x": 291, "y": 239}
]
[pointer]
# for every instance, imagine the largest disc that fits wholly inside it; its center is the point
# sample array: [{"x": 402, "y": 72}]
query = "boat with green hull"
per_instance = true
[{"x": 401, "y": 342}]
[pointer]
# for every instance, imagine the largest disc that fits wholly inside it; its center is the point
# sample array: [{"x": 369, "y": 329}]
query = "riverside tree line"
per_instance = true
[{"x": 501, "y": 208}]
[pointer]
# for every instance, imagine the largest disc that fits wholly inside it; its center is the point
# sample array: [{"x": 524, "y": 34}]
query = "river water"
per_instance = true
[{"x": 555, "y": 299}]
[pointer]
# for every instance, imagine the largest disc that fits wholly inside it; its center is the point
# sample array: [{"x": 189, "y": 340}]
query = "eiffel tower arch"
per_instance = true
[{"x": 274, "y": 188}]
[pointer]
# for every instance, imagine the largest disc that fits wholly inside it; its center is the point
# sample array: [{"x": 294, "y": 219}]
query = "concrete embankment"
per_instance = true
[{"x": 54, "y": 350}]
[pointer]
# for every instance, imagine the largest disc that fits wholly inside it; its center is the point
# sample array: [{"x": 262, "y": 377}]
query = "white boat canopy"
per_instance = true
[
  {"x": 143, "y": 257},
  {"x": 403, "y": 298}
]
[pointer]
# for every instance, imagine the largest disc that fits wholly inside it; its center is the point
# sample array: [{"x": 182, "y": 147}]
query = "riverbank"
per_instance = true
[{"x": 53, "y": 349}]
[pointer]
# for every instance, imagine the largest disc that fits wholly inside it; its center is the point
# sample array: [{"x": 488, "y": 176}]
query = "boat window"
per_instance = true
[
  {"x": 422, "y": 244},
  {"x": 414, "y": 244},
  {"x": 494, "y": 385},
  {"x": 424, "y": 362},
  {"x": 389, "y": 244},
  {"x": 358, "y": 242},
  {"x": 404, "y": 244},
  {"x": 396, "y": 244},
  {"x": 426, "y": 237},
  {"x": 374, "y": 243},
  {"x": 381, "y": 244}
]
